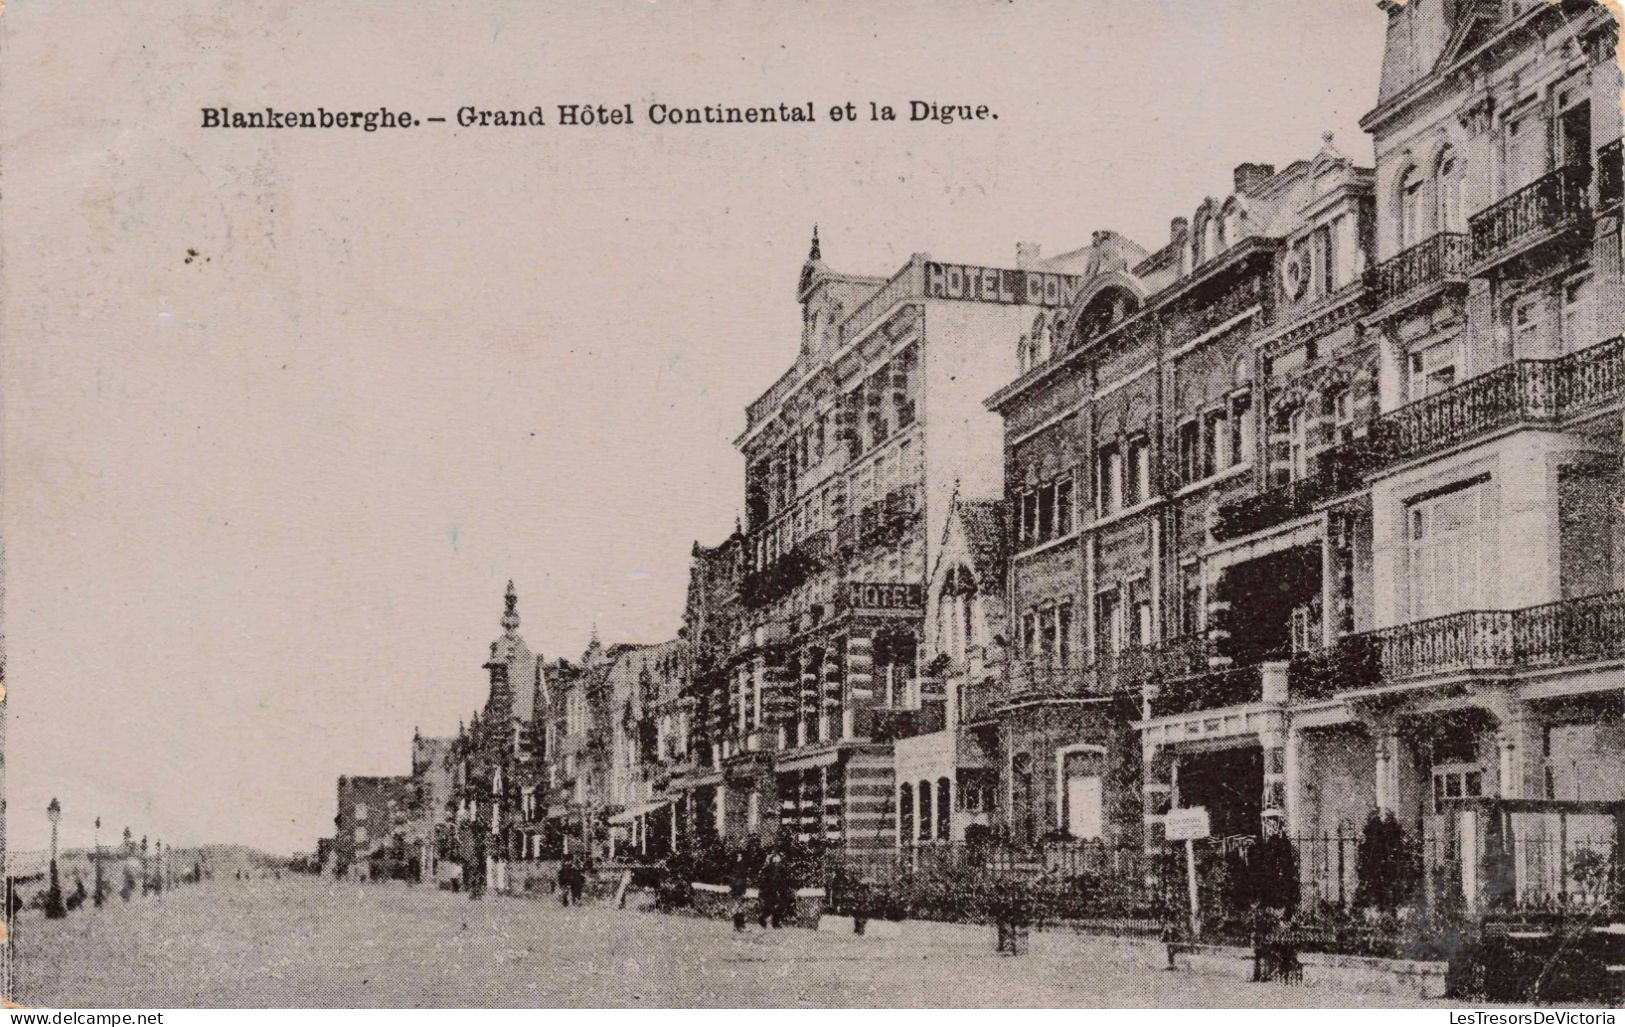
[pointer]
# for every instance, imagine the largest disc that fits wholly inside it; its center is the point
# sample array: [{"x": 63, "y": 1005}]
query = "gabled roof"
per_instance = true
[
  {"x": 983, "y": 522},
  {"x": 982, "y": 525}
]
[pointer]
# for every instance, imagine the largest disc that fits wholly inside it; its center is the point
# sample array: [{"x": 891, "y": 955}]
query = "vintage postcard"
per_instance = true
[{"x": 1112, "y": 503}]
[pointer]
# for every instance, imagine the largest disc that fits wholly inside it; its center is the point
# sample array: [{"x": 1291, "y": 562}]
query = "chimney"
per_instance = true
[
  {"x": 1178, "y": 228},
  {"x": 1027, "y": 255},
  {"x": 1250, "y": 176}
]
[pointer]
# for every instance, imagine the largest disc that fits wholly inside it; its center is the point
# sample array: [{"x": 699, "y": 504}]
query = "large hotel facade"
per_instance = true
[{"x": 1309, "y": 510}]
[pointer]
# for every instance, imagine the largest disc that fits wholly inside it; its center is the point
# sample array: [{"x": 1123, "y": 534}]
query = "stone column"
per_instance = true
[
  {"x": 1387, "y": 769},
  {"x": 859, "y": 680},
  {"x": 1293, "y": 780},
  {"x": 1274, "y": 783},
  {"x": 1157, "y": 790},
  {"x": 1510, "y": 767}
]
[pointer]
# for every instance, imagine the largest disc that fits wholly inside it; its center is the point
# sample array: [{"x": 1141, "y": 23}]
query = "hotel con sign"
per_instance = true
[
  {"x": 999, "y": 285},
  {"x": 863, "y": 595}
]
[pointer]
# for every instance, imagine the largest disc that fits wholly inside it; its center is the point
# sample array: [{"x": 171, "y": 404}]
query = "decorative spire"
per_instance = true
[
  {"x": 593, "y": 643},
  {"x": 510, "y": 617},
  {"x": 813, "y": 254}
]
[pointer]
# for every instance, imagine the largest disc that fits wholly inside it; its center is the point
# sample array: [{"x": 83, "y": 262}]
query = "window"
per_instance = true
[
  {"x": 1139, "y": 470},
  {"x": 1063, "y": 506},
  {"x": 1525, "y": 157},
  {"x": 1298, "y": 453},
  {"x": 1456, "y": 781},
  {"x": 1410, "y": 209},
  {"x": 1188, "y": 445},
  {"x": 1433, "y": 369},
  {"x": 1108, "y": 624},
  {"x": 1046, "y": 632},
  {"x": 1190, "y": 600},
  {"x": 1340, "y": 409},
  {"x": 1323, "y": 255},
  {"x": 1063, "y": 629},
  {"x": 1216, "y": 449},
  {"x": 1110, "y": 479},
  {"x": 1448, "y": 536},
  {"x": 1046, "y": 513},
  {"x": 1028, "y": 531},
  {"x": 1029, "y": 633},
  {"x": 1578, "y": 332},
  {"x": 1241, "y": 428},
  {"x": 1139, "y": 597},
  {"x": 1451, "y": 217}
]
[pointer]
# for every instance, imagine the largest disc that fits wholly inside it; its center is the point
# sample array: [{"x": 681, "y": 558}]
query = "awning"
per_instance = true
[{"x": 631, "y": 813}]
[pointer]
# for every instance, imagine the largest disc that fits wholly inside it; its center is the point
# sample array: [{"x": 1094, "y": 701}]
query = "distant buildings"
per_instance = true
[{"x": 372, "y": 827}]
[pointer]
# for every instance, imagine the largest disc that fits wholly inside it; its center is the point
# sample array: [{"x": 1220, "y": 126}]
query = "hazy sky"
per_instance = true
[{"x": 260, "y": 506}]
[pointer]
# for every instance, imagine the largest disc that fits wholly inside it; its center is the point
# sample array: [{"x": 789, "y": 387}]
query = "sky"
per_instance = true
[{"x": 285, "y": 410}]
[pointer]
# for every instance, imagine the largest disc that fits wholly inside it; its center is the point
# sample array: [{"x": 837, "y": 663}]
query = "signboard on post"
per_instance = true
[{"x": 1187, "y": 825}]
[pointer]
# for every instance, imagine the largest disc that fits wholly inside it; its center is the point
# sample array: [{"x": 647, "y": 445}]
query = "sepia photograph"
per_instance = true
[{"x": 1110, "y": 504}]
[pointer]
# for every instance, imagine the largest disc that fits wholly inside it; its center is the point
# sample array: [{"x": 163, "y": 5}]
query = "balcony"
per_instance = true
[
  {"x": 1418, "y": 271},
  {"x": 1210, "y": 690},
  {"x": 1337, "y": 471},
  {"x": 1534, "y": 214},
  {"x": 1564, "y": 633},
  {"x": 1029, "y": 680},
  {"x": 1608, "y": 175}
]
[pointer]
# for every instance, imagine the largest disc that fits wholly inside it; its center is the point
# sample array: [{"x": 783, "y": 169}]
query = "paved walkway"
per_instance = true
[{"x": 308, "y": 942}]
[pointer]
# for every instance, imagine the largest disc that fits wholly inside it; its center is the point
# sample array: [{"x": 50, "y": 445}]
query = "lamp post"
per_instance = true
[
  {"x": 101, "y": 879},
  {"x": 54, "y": 907}
]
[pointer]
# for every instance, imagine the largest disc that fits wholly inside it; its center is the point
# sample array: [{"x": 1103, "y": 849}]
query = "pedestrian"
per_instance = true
[
  {"x": 578, "y": 881},
  {"x": 564, "y": 881},
  {"x": 774, "y": 891},
  {"x": 737, "y": 886}
]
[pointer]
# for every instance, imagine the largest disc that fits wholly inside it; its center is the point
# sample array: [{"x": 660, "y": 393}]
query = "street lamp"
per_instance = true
[
  {"x": 101, "y": 878},
  {"x": 54, "y": 907}
]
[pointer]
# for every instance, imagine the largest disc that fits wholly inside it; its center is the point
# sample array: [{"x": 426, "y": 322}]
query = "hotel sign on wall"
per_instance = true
[
  {"x": 999, "y": 285},
  {"x": 884, "y": 596}
]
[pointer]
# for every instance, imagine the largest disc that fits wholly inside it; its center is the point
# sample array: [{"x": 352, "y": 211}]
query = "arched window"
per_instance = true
[
  {"x": 1232, "y": 225},
  {"x": 925, "y": 811},
  {"x": 1041, "y": 340},
  {"x": 1411, "y": 211},
  {"x": 905, "y": 812},
  {"x": 944, "y": 809},
  {"x": 1450, "y": 215}
]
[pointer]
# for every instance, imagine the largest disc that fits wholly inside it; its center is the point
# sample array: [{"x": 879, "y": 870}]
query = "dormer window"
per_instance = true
[{"x": 1212, "y": 240}]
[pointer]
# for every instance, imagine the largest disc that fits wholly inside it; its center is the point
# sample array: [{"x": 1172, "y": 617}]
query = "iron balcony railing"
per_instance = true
[
  {"x": 1552, "y": 201},
  {"x": 1337, "y": 471},
  {"x": 1037, "y": 679},
  {"x": 1564, "y": 633},
  {"x": 1434, "y": 261},
  {"x": 1521, "y": 392},
  {"x": 1608, "y": 175}
]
